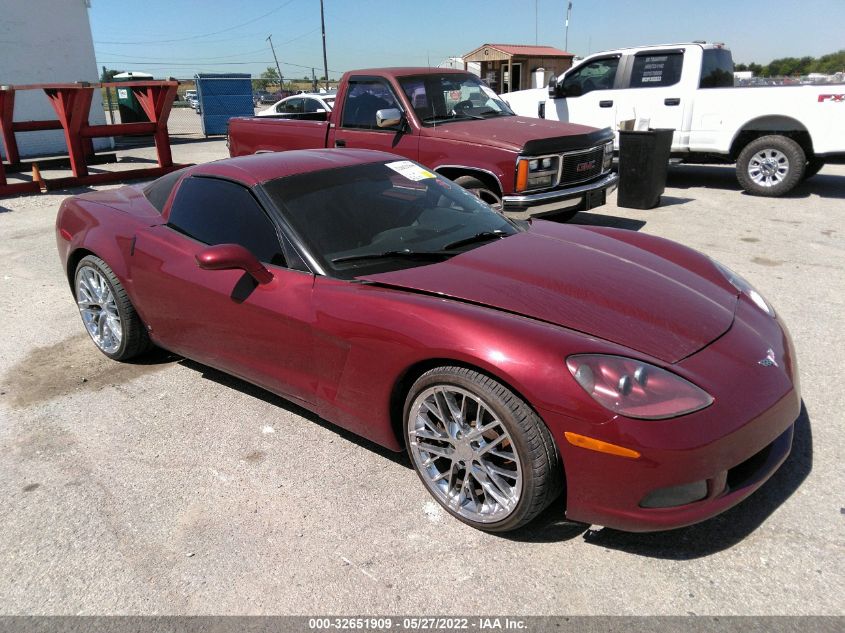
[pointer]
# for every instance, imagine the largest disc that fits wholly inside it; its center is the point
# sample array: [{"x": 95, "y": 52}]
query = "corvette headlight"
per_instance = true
[
  {"x": 608, "y": 156},
  {"x": 537, "y": 173},
  {"x": 745, "y": 288},
  {"x": 636, "y": 389}
]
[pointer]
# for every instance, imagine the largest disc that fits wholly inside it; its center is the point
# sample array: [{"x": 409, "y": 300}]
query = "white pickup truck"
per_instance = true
[{"x": 777, "y": 136}]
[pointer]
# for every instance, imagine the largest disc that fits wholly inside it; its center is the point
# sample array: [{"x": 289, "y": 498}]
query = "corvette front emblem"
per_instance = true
[{"x": 769, "y": 360}]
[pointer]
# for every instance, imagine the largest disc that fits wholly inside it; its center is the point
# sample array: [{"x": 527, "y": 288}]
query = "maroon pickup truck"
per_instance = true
[{"x": 454, "y": 124}]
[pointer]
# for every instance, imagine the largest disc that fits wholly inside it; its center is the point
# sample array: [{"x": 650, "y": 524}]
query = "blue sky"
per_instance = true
[{"x": 181, "y": 37}]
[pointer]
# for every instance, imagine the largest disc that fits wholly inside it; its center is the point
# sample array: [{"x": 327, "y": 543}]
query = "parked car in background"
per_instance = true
[
  {"x": 513, "y": 360},
  {"x": 301, "y": 104},
  {"x": 452, "y": 122},
  {"x": 777, "y": 135}
]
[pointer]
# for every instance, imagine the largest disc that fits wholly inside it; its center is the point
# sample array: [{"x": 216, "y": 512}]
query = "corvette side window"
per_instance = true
[{"x": 221, "y": 212}]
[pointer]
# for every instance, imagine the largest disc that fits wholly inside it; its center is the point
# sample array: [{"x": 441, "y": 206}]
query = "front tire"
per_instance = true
[
  {"x": 479, "y": 449},
  {"x": 814, "y": 166},
  {"x": 107, "y": 313},
  {"x": 770, "y": 165},
  {"x": 480, "y": 191}
]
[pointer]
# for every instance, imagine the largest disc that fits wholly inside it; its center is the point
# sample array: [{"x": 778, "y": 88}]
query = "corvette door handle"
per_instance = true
[
  {"x": 339, "y": 143},
  {"x": 605, "y": 104},
  {"x": 672, "y": 102}
]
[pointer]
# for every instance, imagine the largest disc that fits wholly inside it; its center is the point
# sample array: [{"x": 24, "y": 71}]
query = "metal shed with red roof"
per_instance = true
[{"x": 510, "y": 67}]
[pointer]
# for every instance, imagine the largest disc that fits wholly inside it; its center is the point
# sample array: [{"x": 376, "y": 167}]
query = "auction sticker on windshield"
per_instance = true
[{"x": 410, "y": 170}]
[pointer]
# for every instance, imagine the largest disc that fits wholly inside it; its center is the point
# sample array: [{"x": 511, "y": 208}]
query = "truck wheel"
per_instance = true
[
  {"x": 770, "y": 165},
  {"x": 480, "y": 191},
  {"x": 814, "y": 165}
]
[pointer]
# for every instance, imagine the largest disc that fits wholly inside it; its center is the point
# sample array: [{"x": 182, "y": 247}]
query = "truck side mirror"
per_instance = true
[
  {"x": 388, "y": 117},
  {"x": 572, "y": 90},
  {"x": 553, "y": 92}
]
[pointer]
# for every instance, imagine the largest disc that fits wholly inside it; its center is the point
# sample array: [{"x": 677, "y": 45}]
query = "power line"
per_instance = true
[
  {"x": 196, "y": 37},
  {"x": 199, "y": 59},
  {"x": 189, "y": 64}
]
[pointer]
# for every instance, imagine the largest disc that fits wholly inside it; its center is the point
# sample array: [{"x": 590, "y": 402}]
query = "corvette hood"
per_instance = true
[{"x": 597, "y": 281}]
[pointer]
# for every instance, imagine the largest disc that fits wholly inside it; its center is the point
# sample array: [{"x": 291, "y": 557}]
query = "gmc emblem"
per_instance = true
[
  {"x": 840, "y": 98},
  {"x": 585, "y": 166}
]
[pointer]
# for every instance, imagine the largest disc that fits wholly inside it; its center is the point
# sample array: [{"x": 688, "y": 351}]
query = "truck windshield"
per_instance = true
[
  {"x": 377, "y": 217},
  {"x": 717, "y": 69},
  {"x": 450, "y": 97}
]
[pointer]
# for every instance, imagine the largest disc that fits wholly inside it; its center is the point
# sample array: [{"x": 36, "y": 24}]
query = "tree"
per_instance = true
[{"x": 267, "y": 78}]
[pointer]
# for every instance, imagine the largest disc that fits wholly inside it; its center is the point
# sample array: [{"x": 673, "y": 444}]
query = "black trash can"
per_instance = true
[{"x": 643, "y": 162}]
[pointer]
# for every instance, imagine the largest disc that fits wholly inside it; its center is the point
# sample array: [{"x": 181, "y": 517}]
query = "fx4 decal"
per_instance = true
[{"x": 840, "y": 98}]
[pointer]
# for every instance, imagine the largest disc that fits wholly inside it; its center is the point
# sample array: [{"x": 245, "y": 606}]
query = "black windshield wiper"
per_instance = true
[
  {"x": 484, "y": 236},
  {"x": 433, "y": 255},
  {"x": 487, "y": 113},
  {"x": 435, "y": 118}
]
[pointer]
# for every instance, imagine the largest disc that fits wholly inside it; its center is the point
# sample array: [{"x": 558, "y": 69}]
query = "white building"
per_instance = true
[{"x": 46, "y": 41}]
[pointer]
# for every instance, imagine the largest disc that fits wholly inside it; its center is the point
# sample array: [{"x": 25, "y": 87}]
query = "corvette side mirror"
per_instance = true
[{"x": 233, "y": 257}]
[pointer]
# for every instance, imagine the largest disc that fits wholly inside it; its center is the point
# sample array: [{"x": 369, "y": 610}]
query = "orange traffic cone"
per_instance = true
[{"x": 36, "y": 177}]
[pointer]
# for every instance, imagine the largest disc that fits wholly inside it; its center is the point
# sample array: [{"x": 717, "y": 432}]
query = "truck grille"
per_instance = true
[{"x": 581, "y": 166}]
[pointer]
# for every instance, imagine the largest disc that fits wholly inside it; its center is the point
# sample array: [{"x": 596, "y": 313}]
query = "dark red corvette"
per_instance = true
[{"x": 514, "y": 361}]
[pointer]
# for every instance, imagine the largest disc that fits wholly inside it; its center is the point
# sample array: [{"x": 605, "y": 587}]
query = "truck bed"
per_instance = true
[{"x": 251, "y": 135}]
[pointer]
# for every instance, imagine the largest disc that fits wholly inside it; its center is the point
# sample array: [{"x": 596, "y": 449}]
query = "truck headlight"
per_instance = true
[
  {"x": 537, "y": 173},
  {"x": 608, "y": 156}
]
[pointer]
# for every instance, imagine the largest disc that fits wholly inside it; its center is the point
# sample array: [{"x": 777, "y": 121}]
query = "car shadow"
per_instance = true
[
  {"x": 708, "y": 176},
  {"x": 729, "y": 528},
  {"x": 231, "y": 382},
  {"x": 696, "y": 541},
  {"x": 724, "y": 177},
  {"x": 613, "y": 221}
]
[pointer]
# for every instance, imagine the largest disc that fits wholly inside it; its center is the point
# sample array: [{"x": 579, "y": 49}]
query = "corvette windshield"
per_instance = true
[
  {"x": 378, "y": 217},
  {"x": 452, "y": 97}
]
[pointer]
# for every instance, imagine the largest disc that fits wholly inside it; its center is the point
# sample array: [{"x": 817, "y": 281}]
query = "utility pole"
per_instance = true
[
  {"x": 278, "y": 68},
  {"x": 313, "y": 81},
  {"x": 323, "y": 25},
  {"x": 568, "y": 15}
]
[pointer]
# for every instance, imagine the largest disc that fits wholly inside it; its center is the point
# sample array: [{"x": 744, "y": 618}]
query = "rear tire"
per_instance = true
[
  {"x": 770, "y": 165},
  {"x": 479, "y": 449},
  {"x": 107, "y": 313}
]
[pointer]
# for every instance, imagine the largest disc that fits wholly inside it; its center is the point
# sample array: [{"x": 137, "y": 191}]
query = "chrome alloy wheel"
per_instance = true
[
  {"x": 98, "y": 308},
  {"x": 465, "y": 454},
  {"x": 768, "y": 167}
]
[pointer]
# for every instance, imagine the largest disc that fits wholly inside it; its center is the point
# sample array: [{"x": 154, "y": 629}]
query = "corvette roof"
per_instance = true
[{"x": 258, "y": 168}]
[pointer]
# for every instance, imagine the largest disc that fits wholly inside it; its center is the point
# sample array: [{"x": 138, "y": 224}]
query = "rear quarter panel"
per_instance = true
[
  {"x": 719, "y": 114},
  {"x": 87, "y": 227}
]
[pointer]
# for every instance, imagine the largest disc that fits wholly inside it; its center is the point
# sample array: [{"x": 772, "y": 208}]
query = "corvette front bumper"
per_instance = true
[{"x": 695, "y": 466}]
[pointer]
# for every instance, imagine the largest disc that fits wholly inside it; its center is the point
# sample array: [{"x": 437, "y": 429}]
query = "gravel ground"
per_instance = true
[{"x": 169, "y": 488}]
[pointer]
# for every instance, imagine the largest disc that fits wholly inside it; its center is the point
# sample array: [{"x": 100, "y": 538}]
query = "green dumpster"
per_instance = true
[{"x": 129, "y": 107}]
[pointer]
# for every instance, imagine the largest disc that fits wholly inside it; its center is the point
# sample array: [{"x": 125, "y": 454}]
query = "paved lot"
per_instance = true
[{"x": 168, "y": 487}]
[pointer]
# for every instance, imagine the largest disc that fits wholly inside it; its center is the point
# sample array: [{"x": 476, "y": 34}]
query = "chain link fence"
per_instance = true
[{"x": 183, "y": 125}]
